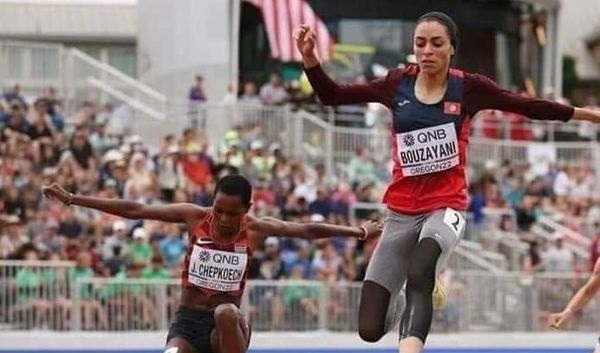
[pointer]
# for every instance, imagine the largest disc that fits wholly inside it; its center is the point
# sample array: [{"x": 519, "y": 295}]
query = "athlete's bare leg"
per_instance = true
[{"x": 231, "y": 333}]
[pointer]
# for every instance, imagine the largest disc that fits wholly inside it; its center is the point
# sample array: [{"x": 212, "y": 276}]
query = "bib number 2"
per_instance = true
[{"x": 455, "y": 221}]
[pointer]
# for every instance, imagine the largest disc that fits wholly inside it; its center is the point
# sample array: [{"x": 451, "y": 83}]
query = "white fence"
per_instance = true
[{"x": 49, "y": 296}]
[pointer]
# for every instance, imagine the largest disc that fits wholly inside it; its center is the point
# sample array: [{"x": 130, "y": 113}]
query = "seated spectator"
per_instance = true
[
  {"x": 172, "y": 247},
  {"x": 139, "y": 250},
  {"x": 12, "y": 236}
]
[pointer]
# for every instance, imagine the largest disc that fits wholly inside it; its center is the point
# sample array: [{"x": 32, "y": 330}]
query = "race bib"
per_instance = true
[
  {"x": 217, "y": 270},
  {"x": 428, "y": 150},
  {"x": 455, "y": 221}
]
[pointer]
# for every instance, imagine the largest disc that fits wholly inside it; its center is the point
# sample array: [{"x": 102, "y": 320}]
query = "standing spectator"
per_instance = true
[
  {"x": 232, "y": 93},
  {"x": 273, "y": 92},
  {"x": 249, "y": 96},
  {"x": 196, "y": 94}
]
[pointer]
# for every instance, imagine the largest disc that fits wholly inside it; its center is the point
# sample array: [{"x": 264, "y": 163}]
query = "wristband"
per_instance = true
[{"x": 69, "y": 200}]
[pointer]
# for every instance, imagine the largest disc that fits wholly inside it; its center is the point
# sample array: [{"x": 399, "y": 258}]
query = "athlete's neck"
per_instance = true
[
  {"x": 227, "y": 237},
  {"x": 432, "y": 82}
]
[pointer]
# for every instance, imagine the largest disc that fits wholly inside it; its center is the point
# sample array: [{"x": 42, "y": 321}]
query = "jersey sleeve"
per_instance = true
[
  {"x": 332, "y": 93},
  {"x": 481, "y": 93}
]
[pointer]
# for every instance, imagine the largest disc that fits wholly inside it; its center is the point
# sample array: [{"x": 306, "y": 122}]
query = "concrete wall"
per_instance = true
[
  {"x": 578, "y": 20},
  {"x": 180, "y": 39}
]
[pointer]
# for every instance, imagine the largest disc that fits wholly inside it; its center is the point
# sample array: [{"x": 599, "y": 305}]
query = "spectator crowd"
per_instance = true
[{"x": 40, "y": 144}]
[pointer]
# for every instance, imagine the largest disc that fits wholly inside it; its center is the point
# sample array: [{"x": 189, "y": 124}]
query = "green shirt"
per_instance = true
[
  {"x": 28, "y": 283},
  {"x": 152, "y": 272},
  {"x": 293, "y": 291},
  {"x": 116, "y": 288},
  {"x": 75, "y": 273},
  {"x": 140, "y": 252}
]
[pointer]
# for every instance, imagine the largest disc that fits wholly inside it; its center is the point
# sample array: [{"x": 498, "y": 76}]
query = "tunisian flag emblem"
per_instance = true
[{"x": 452, "y": 108}]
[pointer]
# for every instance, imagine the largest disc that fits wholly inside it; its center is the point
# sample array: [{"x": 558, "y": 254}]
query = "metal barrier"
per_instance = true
[
  {"x": 50, "y": 296},
  {"x": 576, "y": 242},
  {"x": 345, "y": 140},
  {"x": 272, "y": 125},
  {"x": 464, "y": 259},
  {"x": 502, "y": 128},
  {"x": 515, "y": 302},
  {"x": 33, "y": 294},
  {"x": 492, "y": 259},
  {"x": 123, "y": 304},
  {"x": 80, "y": 68}
]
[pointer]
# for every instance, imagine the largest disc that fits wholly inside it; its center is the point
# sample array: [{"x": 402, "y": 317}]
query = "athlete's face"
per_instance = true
[
  {"x": 228, "y": 211},
  {"x": 432, "y": 47}
]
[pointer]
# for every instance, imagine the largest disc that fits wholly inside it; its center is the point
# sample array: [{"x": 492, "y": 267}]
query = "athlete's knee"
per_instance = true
[
  {"x": 227, "y": 315},
  {"x": 369, "y": 332},
  {"x": 372, "y": 309}
]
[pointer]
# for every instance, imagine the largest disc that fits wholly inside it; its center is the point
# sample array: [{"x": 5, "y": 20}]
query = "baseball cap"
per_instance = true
[
  {"x": 139, "y": 233},
  {"x": 119, "y": 225}
]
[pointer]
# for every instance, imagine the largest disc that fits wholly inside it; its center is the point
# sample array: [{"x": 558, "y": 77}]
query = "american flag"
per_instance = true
[{"x": 281, "y": 17}]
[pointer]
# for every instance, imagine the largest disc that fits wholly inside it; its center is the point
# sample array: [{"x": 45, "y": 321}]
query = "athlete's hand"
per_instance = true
[
  {"x": 372, "y": 229},
  {"x": 557, "y": 320},
  {"x": 305, "y": 41},
  {"x": 56, "y": 192}
]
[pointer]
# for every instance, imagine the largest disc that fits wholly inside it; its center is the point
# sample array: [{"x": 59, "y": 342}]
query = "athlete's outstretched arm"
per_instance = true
[
  {"x": 329, "y": 91},
  {"x": 579, "y": 300},
  {"x": 175, "y": 213},
  {"x": 587, "y": 115},
  {"x": 481, "y": 93},
  {"x": 268, "y": 226}
]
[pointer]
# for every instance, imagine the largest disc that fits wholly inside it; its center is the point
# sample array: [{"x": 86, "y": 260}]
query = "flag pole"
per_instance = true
[{"x": 234, "y": 46}]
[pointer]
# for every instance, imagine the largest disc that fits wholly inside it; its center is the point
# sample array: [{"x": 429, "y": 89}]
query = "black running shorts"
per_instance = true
[{"x": 194, "y": 326}]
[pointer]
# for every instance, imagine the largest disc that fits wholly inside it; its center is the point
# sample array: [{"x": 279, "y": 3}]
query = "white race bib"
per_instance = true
[
  {"x": 455, "y": 221},
  {"x": 217, "y": 270},
  {"x": 428, "y": 150}
]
